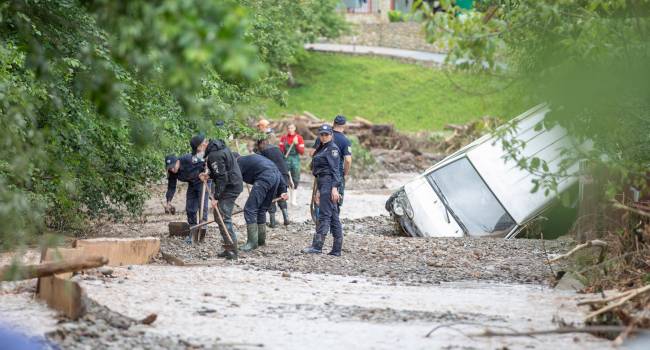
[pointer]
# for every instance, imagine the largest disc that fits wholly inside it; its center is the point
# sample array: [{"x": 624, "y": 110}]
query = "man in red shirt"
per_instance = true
[{"x": 292, "y": 146}]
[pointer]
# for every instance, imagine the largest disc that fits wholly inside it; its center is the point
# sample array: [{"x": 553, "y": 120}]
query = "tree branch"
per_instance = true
[{"x": 595, "y": 243}]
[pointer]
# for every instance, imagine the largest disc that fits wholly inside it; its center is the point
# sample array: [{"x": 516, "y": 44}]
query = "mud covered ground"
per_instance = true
[
  {"x": 371, "y": 249},
  {"x": 385, "y": 292}
]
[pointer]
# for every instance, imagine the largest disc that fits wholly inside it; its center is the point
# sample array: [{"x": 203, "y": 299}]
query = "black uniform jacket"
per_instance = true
[
  {"x": 326, "y": 162},
  {"x": 224, "y": 169},
  {"x": 255, "y": 166}
]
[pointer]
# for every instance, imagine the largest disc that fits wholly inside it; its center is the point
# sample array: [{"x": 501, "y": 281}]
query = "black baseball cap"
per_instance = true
[
  {"x": 170, "y": 161},
  {"x": 196, "y": 141},
  {"x": 325, "y": 129},
  {"x": 339, "y": 120}
]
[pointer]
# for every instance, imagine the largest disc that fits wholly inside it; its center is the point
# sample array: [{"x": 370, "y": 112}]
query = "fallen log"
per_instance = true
[
  {"x": 311, "y": 116},
  {"x": 15, "y": 273},
  {"x": 367, "y": 123}
]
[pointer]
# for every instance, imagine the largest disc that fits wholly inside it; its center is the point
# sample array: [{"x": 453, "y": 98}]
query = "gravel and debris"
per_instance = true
[
  {"x": 372, "y": 249},
  {"x": 101, "y": 328},
  {"x": 335, "y": 313}
]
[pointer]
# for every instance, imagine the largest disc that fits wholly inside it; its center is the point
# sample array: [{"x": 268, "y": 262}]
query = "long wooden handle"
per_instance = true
[
  {"x": 222, "y": 225},
  {"x": 289, "y": 150},
  {"x": 242, "y": 210}
]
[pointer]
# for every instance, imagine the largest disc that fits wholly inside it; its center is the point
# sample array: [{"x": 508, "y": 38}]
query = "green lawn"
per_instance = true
[{"x": 386, "y": 91}]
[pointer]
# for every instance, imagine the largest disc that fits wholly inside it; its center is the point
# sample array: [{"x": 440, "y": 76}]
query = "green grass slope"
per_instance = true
[{"x": 382, "y": 90}]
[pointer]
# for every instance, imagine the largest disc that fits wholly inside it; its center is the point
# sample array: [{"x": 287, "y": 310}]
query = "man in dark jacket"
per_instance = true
[
  {"x": 224, "y": 172},
  {"x": 273, "y": 153},
  {"x": 267, "y": 184},
  {"x": 187, "y": 169}
]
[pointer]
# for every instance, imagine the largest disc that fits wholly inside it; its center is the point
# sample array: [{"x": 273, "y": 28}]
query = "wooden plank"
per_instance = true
[
  {"x": 121, "y": 251},
  {"x": 63, "y": 295}
]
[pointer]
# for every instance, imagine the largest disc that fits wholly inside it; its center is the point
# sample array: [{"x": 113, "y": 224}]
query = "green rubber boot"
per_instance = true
[
  {"x": 261, "y": 238},
  {"x": 272, "y": 222},
  {"x": 251, "y": 243}
]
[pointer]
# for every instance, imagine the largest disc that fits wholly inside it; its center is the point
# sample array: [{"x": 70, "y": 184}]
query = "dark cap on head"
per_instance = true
[
  {"x": 170, "y": 161},
  {"x": 339, "y": 120},
  {"x": 219, "y": 123},
  {"x": 325, "y": 129},
  {"x": 196, "y": 141}
]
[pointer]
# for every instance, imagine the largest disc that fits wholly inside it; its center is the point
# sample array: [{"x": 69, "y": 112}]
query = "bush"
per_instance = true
[{"x": 395, "y": 16}]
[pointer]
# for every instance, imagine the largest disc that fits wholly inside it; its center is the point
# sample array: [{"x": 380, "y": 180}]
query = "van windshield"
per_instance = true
[{"x": 470, "y": 199}]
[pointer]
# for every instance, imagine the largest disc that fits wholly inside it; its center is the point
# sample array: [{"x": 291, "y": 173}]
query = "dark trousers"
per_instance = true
[
  {"x": 192, "y": 203},
  {"x": 281, "y": 203},
  {"x": 260, "y": 198},
  {"x": 328, "y": 214},
  {"x": 226, "y": 204},
  {"x": 341, "y": 190}
]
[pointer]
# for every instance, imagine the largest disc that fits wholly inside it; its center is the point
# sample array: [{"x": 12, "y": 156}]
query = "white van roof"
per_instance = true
[{"x": 513, "y": 185}]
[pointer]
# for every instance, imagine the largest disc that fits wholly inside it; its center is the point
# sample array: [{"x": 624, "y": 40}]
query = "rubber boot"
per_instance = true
[
  {"x": 316, "y": 245},
  {"x": 233, "y": 252},
  {"x": 272, "y": 222},
  {"x": 294, "y": 201},
  {"x": 285, "y": 216},
  {"x": 251, "y": 243},
  {"x": 336, "y": 247},
  {"x": 226, "y": 247},
  {"x": 230, "y": 252},
  {"x": 261, "y": 234}
]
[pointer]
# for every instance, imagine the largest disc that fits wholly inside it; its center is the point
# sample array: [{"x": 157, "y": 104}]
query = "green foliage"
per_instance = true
[
  {"x": 382, "y": 90},
  {"x": 589, "y": 60},
  {"x": 395, "y": 16},
  {"x": 94, "y": 93},
  {"x": 364, "y": 161}
]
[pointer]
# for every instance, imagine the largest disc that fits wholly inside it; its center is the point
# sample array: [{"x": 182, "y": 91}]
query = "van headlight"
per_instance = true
[{"x": 401, "y": 205}]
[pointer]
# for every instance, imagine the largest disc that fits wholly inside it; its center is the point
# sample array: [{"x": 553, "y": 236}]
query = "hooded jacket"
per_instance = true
[{"x": 224, "y": 170}]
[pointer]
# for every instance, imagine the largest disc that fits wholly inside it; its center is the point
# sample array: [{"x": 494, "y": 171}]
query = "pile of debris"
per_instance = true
[
  {"x": 395, "y": 151},
  {"x": 466, "y": 133},
  {"x": 369, "y": 134}
]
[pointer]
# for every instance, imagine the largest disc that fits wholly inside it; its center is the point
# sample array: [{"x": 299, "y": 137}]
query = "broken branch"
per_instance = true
[
  {"x": 619, "y": 205},
  {"x": 562, "y": 330},
  {"x": 595, "y": 243},
  {"x": 49, "y": 269},
  {"x": 633, "y": 294},
  {"x": 604, "y": 300}
]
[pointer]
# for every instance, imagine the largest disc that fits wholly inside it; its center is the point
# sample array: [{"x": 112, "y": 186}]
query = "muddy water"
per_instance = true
[{"x": 295, "y": 311}]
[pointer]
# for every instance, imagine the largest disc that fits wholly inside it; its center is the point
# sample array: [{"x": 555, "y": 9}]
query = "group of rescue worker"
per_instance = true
[{"x": 271, "y": 170}]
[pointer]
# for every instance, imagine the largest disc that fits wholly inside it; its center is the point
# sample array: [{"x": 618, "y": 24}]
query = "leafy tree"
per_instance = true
[
  {"x": 589, "y": 60},
  {"x": 93, "y": 93}
]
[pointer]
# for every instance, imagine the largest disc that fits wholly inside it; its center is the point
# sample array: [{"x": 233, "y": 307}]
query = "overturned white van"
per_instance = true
[{"x": 477, "y": 191}]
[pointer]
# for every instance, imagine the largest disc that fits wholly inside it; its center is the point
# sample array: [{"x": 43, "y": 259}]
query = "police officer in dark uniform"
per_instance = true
[
  {"x": 267, "y": 184},
  {"x": 227, "y": 179},
  {"x": 187, "y": 169},
  {"x": 345, "y": 148},
  {"x": 325, "y": 167},
  {"x": 274, "y": 154}
]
